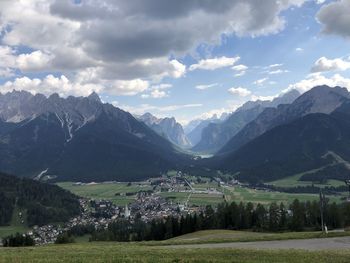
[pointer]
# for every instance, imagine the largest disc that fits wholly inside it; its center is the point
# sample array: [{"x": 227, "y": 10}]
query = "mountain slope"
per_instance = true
[
  {"x": 195, "y": 134},
  {"x": 215, "y": 136},
  {"x": 104, "y": 150},
  {"x": 85, "y": 140},
  {"x": 299, "y": 146},
  {"x": 39, "y": 203},
  {"x": 321, "y": 99},
  {"x": 169, "y": 128}
]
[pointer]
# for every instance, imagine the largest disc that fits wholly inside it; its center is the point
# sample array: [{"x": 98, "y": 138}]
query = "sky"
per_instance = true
[{"x": 186, "y": 58}]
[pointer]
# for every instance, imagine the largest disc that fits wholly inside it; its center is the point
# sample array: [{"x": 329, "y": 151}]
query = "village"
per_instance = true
[{"x": 147, "y": 206}]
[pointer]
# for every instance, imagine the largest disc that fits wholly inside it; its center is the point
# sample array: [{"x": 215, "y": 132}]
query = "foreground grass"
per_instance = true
[
  {"x": 224, "y": 236},
  {"x": 115, "y": 252}
]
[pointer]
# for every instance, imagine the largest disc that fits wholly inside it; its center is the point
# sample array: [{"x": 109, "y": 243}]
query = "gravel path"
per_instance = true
[{"x": 307, "y": 244}]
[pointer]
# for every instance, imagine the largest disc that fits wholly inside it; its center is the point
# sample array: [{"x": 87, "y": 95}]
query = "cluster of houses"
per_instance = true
[{"x": 148, "y": 205}]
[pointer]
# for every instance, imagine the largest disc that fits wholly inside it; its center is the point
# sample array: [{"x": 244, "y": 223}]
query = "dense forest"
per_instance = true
[
  {"x": 298, "y": 216},
  {"x": 42, "y": 203}
]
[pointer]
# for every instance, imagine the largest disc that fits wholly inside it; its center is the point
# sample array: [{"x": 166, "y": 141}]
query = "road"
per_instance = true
[{"x": 306, "y": 244}]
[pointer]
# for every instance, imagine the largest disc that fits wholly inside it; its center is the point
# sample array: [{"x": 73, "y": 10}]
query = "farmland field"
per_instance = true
[
  {"x": 108, "y": 191},
  {"x": 293, "y": 181},
  {"x": 243, "y": 194}
]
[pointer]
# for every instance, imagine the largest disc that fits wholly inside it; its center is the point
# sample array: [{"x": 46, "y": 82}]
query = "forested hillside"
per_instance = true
[{"x": 40, "y": 203}]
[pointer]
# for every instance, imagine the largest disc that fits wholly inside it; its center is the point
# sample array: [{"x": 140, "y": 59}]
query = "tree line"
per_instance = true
[
  {"x": 298, "y": 216},
  {"x": 18, "y": 240}
]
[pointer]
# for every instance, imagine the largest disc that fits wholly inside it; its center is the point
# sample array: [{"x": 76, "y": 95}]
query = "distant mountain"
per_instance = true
[
  {"x": 216, "y": 135},
  {"x": 316, "y": 144},
  {"x": 195, "y": 134},
  {"x": 38, "y": 203},
  {"x": 169, "y": 128},
  {"x": 321, "y": 99},
  {"x": 78, "y": 139}
]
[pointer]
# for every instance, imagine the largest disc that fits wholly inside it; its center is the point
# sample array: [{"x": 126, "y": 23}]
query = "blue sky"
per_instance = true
[{"x": 187, "y": 59}]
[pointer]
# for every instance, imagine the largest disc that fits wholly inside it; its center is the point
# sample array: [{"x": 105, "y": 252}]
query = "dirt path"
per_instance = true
[{"x": 307, "y": 244}]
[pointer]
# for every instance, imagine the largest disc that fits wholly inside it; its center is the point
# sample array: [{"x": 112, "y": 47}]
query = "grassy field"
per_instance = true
[
  {"x": 106, "y": 191},
  {"x": 293, "y": 181},
  {"x": 116, "y": 252},
  {"x": 15, "y": 225},
  {"x": 223, "y": 236},
  {"x": 243, "y": 194}
]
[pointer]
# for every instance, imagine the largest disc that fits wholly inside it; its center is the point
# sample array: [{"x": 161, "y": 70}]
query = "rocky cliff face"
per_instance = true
[{"x": 169, "y": 128}]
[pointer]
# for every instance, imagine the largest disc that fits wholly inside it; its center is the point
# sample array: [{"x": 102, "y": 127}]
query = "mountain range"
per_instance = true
[
  {"x": 215, "y": 135},
  {"x": 83, "y": 139},
  {"x": 307, "y": 136},
  {"x": 169, "y": 128},
  {"x": 321, "y": 99},
  {"x": 194, "y": 134},
  {"x": 79, "y": 139}
]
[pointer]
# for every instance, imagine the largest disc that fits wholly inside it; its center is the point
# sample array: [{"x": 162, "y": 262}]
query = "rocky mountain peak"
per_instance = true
[{"x": 94, "y": 97}]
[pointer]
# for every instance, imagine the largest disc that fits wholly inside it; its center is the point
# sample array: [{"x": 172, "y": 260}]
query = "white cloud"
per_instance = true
[
  {"x": 179, "y": 69},
  {"x": 72, "y": 38},
  {"x": 34, "y": 61},
  {"x": 241, "y": 70},
  {"x": 206, "y": 86},
  {"x": 155, "y": 94},
  {"x": 50, "y": 84},
  {"x": 299, "y": 49},
  {"x": 214, "y": 63},
  {"x": 7, "y": 57},
  {"x": 277, "y": 71},
  {"x": 325, "y": 64},
  {"x": 127, "y": 87},
  {"x": 260, "y": 81},
  {"x": 240, "y": 74},
  {"x": 277, "y": 65},
  {"x": 158, "y": 91},
  {"x": 143, "y": 108},
  {"x": 211, "y": 113},
  {"x": 161, "y": 86},
  {"x": 263, "y": 98},
  {"x": 240, "y": 67},
  {"x": 239, "y": 91},
  {"x": 335, "y": 18},
  {"x": 65, "y": 87},
  {"x": 6, "y": 72},
  {"x": 318, "y": 79}
]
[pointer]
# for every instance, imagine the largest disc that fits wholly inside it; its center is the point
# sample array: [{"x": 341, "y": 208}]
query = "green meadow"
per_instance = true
[{"x": 117, "y": 252}]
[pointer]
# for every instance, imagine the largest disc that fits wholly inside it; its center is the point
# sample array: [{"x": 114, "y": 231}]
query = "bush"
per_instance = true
[
  {"x": 64, "y": 238},
  {"x": 18, "y": 240}
]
